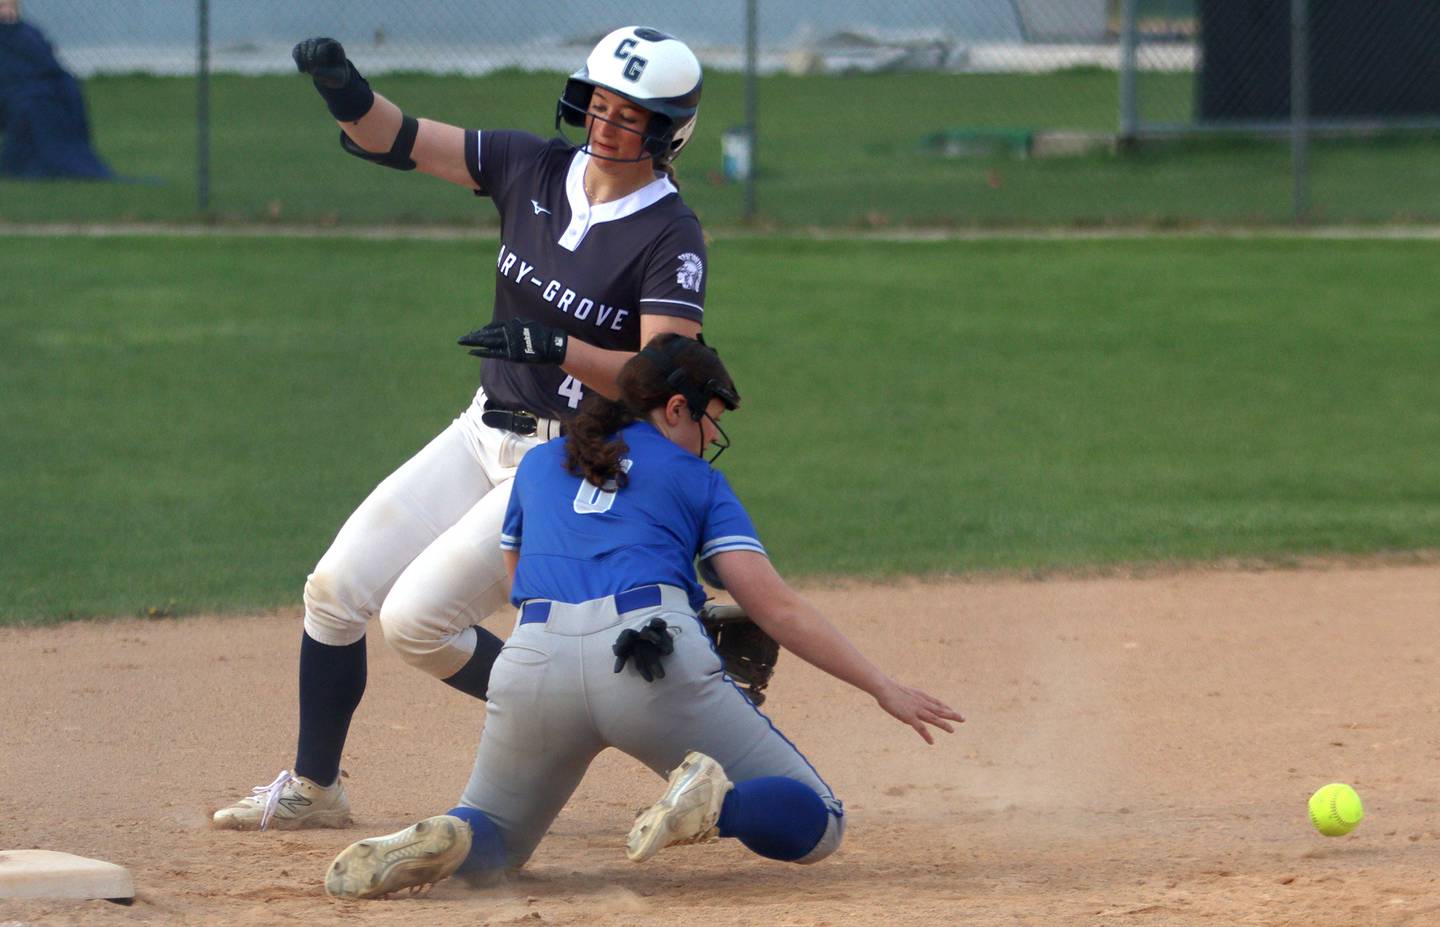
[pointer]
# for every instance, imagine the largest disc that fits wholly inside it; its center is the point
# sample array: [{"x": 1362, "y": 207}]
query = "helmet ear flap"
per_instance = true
[
  {"x": 574, "y": 103},
  {"x": 657, "y": 136},
  {"x": 695, "y": 400},
  {"x": 666, "y": 358},
  {"x": 681, "y": 138}
]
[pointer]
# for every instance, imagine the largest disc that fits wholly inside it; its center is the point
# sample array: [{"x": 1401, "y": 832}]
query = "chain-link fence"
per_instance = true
[
  {"x": 914, "y": 111},
  {"x": 1367, "y": 66}
]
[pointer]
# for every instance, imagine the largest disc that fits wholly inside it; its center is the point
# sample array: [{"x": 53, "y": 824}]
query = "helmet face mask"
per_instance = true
[
  {"x": 652, "y": 70},
  {"x": 656, "y": 135}
]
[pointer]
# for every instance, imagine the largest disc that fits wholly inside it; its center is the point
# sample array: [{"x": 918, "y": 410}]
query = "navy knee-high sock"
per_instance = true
[
  {"x": 474, "y": 677},
  {"x": 332, "y": 680},
  {"x": 774, "y": 816}
]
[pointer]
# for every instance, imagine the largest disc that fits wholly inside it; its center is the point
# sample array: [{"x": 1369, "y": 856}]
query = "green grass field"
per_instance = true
[
  {"x": 187, "y": 422},
  {"x": 834, "y": 151}
]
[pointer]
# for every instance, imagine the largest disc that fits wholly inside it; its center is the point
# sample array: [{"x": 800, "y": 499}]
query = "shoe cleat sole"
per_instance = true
[
  {"x": 656, "y": 826},
  {"x": 414, "y": 859}
]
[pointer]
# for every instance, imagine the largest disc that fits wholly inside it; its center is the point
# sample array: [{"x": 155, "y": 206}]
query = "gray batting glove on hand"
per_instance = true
[
  {"x": 519, "y": 340},
  {"x": 324, "y": 60}
]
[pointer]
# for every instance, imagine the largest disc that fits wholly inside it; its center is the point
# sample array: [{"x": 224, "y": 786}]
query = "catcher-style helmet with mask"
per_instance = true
[
  {"x": 665, "y": 352},
  {"x": 650, "y": 69}
]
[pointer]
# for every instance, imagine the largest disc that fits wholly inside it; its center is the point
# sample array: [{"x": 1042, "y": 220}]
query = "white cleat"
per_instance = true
[
  {"x": 687, "y": 813},
  {"x": 418, "y": 856},
  {"x": 288, "y": 803}
]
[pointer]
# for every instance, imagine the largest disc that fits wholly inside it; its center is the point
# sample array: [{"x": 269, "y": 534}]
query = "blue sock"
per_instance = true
[
  {"x": 332, "y": 680},
  {"x": 778, "y": 818},
  {"x": 487, "y": 850}
]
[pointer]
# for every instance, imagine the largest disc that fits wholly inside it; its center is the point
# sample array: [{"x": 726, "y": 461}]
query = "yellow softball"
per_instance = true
[{"x": 1335, "y": 809}]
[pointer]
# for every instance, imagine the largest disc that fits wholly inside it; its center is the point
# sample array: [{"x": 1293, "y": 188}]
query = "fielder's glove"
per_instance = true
[
  {"x": 646, "y": 647},
  {"x": 519, "y": 340},
  {"x": 749, "y": 654}
]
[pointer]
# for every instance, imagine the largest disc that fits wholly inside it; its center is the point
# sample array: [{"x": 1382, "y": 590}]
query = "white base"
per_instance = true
[{"x": 49, "y": 874}]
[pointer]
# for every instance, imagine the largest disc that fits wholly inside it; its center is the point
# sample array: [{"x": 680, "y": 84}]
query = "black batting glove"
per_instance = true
[
  {"x": 645, "y": 647},
  {"x": 324, "y": 60},
  {"x": 519, "y": 340},
  {"x": 347, "y": 93}
]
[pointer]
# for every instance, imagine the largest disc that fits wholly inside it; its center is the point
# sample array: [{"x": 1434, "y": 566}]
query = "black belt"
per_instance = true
[{"x": 520, "y": 422}]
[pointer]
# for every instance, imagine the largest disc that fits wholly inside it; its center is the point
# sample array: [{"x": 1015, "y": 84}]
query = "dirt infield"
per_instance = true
[{"x": 1138, "y": 752}]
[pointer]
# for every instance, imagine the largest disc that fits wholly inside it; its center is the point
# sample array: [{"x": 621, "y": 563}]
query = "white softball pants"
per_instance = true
[
  {"x": 555, "y": 703},
  {"x": 423, "y": 550}
]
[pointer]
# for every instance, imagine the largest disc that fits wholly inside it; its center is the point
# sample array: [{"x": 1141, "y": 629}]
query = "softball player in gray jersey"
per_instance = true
[
  {"x": 601, "y": 534},
  {"x": 598, "y": 254}
]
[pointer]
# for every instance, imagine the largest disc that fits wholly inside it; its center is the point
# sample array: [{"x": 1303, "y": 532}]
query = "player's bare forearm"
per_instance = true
[
  {"x": 512, "y": 560},
  {"x": 800, "y": 628},
  {"x": 815, "y": 640},
  {"x": 439, "y": 147},
  {"x": 809, "y": 635},
  {"x": 599, "y": 368},
  {"x": 795, "y": 624},
  {"x": 376, "y": 130}
]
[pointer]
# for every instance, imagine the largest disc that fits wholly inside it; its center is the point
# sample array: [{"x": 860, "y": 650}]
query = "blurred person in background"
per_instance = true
[{"x": 42, "y": 113}]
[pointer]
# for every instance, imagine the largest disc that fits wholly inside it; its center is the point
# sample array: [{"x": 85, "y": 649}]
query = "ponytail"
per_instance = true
[{"x": 593, "y": 449}]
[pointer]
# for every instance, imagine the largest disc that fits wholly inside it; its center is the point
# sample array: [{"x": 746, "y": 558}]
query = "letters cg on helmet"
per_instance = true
[{"x": 650, "y": 69}]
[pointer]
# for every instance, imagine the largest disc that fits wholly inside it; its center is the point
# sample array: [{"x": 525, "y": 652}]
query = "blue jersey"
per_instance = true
[{"x": 578, "y": 542}]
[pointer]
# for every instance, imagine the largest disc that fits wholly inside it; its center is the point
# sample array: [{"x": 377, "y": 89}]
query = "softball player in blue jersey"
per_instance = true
[
  {"x": 600, "y": 534},
  {"x": 598, "y": 255}
]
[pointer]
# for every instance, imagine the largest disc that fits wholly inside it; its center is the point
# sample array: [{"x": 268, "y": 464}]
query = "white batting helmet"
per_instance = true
[{"x": 648, "y": 68}]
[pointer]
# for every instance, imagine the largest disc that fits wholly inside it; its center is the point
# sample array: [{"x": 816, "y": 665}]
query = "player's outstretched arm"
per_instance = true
[
  {"x": 801, "y": 629},
  {"x": 599, "y": 368},
  {"x": 525, "y": 342},
  {"x": 374, "y": 123}
]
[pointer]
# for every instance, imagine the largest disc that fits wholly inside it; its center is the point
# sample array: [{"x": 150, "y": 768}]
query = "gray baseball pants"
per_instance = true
[{"x": 555, "y": 703}]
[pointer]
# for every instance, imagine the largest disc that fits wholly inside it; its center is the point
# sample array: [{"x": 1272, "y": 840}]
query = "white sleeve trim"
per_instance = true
[
  {"x": 474, "y": 169},
  {"x": 509, "y": 542},
  {"x": 732, "y": 542},
  {"x": 678, "y": 302}
]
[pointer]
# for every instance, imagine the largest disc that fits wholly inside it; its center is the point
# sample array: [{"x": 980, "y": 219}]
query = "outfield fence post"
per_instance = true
[
  {"x": 752, "y": 103},
  {"x": 202, "y": 110},
  {"x": 1129, "y": 115},
  {"x": 1299, "y": 109}
]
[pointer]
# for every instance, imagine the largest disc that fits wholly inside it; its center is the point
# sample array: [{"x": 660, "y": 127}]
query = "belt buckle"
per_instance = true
[{"x": 521, "y": 423}]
